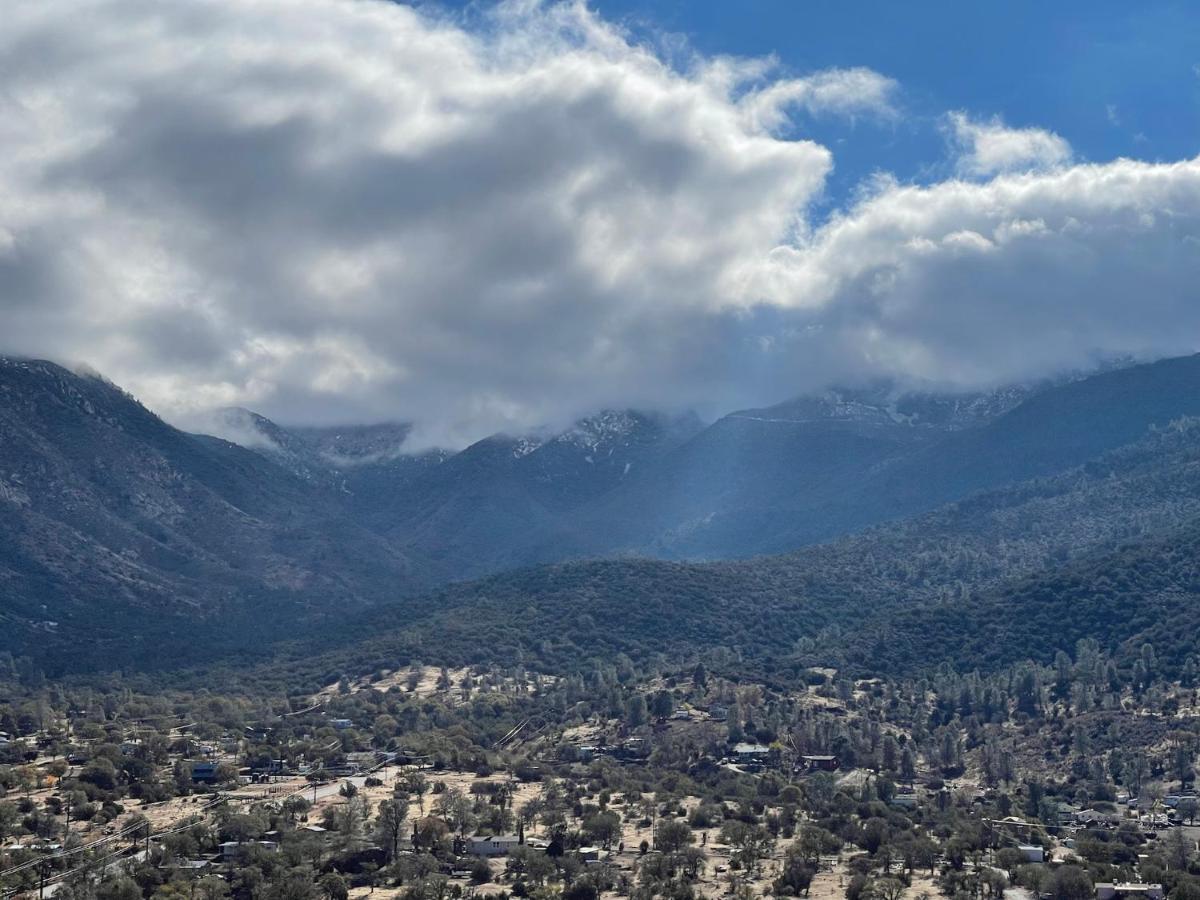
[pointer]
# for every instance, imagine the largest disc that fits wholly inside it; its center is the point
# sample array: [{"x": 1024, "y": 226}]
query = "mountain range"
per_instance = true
[{"x": 149, "y": 543}]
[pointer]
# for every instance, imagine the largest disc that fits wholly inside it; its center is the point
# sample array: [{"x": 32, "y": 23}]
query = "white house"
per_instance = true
[
  {"x": 493, "y": 845},
  {"x": 1032, "y": 853},
  {"x": 1140, "y": 891}
]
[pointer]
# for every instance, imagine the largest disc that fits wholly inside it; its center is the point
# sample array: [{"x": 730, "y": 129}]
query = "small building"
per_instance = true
[
  {"x": 492, "y": 845},
  {"x": 632, "y": 748},
  {"x": 820, "y": 763},
  {"x": 204, "y": 772},
  {"x": 718, "y": 713},
  {"x": 750, "y": 753},
  {"x": 1106, "y": 891},
  {"x": 1032, "y": 852},
  {"x": 229, "y": 849},
  {"x": 753, "y": 757},
  {"x": 341, "y": 724},
  {"x": 905, "y": 798}
]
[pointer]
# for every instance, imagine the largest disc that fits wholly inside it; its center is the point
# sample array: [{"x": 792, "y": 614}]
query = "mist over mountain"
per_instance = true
[{"x": 122, "y": 527}]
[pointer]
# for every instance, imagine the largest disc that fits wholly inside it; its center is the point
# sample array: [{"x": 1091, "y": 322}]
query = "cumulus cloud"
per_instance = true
[
  {"x": 348, "y": 210},
  {"x": 990, "y": 147}
]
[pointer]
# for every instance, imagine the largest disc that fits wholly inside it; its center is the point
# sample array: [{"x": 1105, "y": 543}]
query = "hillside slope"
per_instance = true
[
  {"x": 904, "y": 597},
  {"x": 770, "y": 481},
  {"x": 118, "y": 529}
]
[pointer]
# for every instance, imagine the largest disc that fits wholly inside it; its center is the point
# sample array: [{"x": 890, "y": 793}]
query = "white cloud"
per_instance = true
[
  {"x": 335, "y": 210},
  {"x": 973, "y": 283},
  {"x": 844, "y": 92},
  {"x": 988, "y": 148}
]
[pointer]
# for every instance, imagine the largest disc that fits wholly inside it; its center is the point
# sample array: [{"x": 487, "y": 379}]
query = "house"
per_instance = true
[
  {"x": 493, "y": 845},
  {"x": 755, "y": 756},
  {"x": 681, "y": 714},
  {"x": 1106, "y": 891},
  {"x": 718, "y": 713},
  {"x": 204, "y": 772},
  {"x": 229, "y": 849},
  {"x": 745, "y": 753},
  {"x": 1094, "y": 818},
  {"x": 820, "y": 763},
  {"x": 906, "y": 798},
  {"x": 341, "y": 724},
  {"x": 1032, "y": 852},
  {"x": 632, "y": 748}
]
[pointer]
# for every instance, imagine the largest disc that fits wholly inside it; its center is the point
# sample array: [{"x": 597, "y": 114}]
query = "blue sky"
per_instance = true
[{"x": 1113, "y": 79}]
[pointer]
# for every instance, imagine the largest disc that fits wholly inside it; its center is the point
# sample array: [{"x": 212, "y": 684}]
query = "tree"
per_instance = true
[
  {"x": 812, "y": 841},
  {"x": 662, "y": 704},
  {"x": 1187, "y": 809},
  {"x": 672, "y": 835},
  {"x": 295, "y": 807},
  {"x": 416, "y": 783},
  {"x": 796, "y": 875},
  {"x": 118, "y": 887},
  {"x": 858, "y": 888},
  {"x": 390, "y": 825},
  {"x": 890, "y": 888},
  {"x": 1010, "y": 859},
  {"x": 352, "y": 821},
  {"x": 749, "y": 842},
  {"x": 635, "y": 711},
  {"x": 908, "y": 765},
  {"x": 603, "y": 828},
  {"x": 456, "y": 808},
  {"x": 9, "y": 817},
  {"x": 481, "y": 871},
  {"x": 333, "y": 886},
  {"x": 1178, "y": 848},
  {"x": 1071, "y": 883},
  {"x": 874, "y": 833},
  {"x": 212, "y": 887}
]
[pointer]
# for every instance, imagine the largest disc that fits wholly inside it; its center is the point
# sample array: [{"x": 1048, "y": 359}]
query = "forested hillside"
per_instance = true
[
  {"x": 164, "y": 548},
  {"x": 1101, "y": 551},
  {"x": 123, "y": 539}
]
